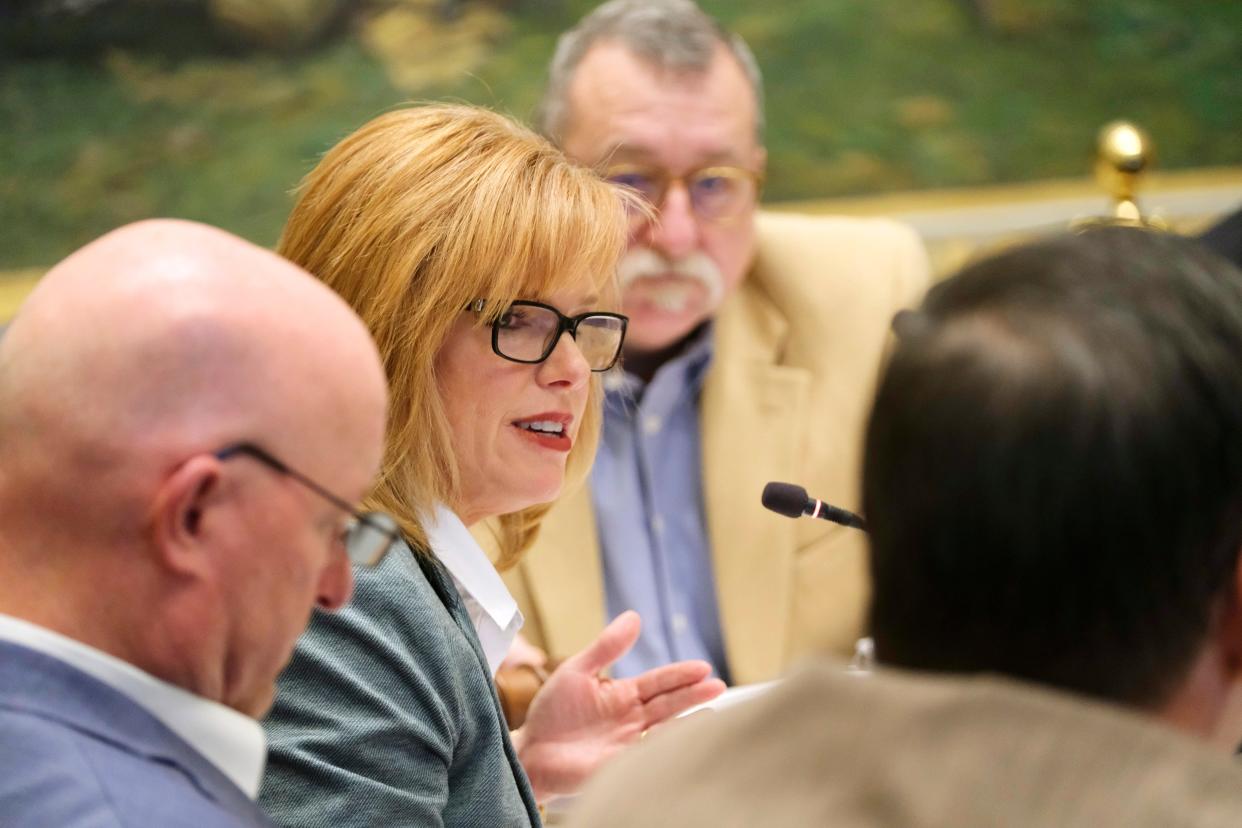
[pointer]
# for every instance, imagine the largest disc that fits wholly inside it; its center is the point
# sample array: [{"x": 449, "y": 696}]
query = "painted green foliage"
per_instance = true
[{"x": 862, "y": 96}]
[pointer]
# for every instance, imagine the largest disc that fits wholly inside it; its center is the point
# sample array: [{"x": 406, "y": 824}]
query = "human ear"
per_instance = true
[
  {"x": 1229, "y": 631},
  {"x": 1227, "y": 730},
  {"x": 178, "y": 513}
]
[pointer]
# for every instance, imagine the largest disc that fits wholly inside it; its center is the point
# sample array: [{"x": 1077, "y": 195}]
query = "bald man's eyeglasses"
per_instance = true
[{"x": 367, "y": 536}]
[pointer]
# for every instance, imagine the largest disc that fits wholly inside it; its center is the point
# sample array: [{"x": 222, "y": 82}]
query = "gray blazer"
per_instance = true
[{"x": 387, "y": 714}]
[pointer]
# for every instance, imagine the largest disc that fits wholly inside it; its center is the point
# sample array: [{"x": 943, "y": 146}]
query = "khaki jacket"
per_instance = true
[
  {"x": 797, "y": 351},
  {"x": 911, "y": 750}
]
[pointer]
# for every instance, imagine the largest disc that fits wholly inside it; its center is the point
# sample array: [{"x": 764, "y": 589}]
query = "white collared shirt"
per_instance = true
[
  {"x": 230, "y": 740},
  {"x": 491, "y": 608}
]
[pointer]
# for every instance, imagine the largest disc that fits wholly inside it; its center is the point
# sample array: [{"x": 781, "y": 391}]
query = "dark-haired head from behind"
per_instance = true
[{"x": 1053, "y": 473}]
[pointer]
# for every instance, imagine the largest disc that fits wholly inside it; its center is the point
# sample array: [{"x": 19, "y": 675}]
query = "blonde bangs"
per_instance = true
[
  {"x": 548, "y": 227},
  {"x": 419, "y": 213}
]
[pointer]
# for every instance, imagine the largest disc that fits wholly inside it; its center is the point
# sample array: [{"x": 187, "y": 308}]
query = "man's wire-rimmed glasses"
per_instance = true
[
  {"x": 527, "y": 332},
  {"x": 720, "y": 194},
  {"x": 367, "y": 536}
]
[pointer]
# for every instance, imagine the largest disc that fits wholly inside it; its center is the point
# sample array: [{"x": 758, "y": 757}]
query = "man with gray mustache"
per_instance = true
[{"x": 753, "y": 347}]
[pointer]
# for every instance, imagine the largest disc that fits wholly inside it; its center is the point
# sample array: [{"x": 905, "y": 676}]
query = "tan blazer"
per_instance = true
[
  {"x": 797, "y": 351},
  {"x": 915, "y": 751}
]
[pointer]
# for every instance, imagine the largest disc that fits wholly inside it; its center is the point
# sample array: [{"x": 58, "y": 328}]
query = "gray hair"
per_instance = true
[{"x": 668, "y": 34}]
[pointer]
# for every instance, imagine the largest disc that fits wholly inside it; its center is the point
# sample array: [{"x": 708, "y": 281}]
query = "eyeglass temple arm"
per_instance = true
[{"x": 274, "y": 463}]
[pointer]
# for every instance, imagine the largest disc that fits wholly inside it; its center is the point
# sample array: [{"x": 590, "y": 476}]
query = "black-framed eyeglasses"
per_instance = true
[
  {"x": 720, "y": 194},
  {"x": 528, "y": 331},
  {"x": 367, "y": 535}
]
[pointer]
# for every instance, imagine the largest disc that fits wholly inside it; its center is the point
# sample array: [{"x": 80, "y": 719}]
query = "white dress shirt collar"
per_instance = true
[
  {"x": 491, "y": 608},
  {"x": 230, "y": 740}
]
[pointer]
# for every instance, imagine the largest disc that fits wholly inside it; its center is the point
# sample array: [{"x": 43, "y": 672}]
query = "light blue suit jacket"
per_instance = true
[{"x": 75, "y": 753}]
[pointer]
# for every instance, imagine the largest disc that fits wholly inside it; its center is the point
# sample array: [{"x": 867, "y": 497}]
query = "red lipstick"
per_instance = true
[{"x": 549, "y": 430}]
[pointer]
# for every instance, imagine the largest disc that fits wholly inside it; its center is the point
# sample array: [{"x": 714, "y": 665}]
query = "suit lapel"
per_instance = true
[
  {"x": 565, "y": 567},
  {"x": 441, "y": 583},
  {"x": 754, "y": 414}
]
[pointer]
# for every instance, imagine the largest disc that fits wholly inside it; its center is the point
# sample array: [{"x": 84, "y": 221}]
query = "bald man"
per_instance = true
[{"x": 185, "y": 420}]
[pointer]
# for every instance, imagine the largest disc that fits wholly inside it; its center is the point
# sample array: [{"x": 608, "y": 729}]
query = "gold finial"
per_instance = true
[{"x": 1123, "y": 154}]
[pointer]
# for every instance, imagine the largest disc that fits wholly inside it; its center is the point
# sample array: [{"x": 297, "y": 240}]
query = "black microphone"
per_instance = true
[{"x": 792, "y": 501}]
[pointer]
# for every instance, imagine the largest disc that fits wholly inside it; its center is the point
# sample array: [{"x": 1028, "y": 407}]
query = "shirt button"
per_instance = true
[
  {"x": 657, "y": 525},
  {"x": 652, "y": 424},
  {"x": 679, "y": 623}
]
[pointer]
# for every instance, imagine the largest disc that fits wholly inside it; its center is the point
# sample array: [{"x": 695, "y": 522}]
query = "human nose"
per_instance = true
[
  {"x": 565, "y": 366},
  {"x": 336, "y": 583},
  {"x": 675, "y": 231}
]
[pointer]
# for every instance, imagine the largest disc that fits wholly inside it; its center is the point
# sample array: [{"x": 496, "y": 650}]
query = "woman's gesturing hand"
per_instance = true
[{"x": 579, "y": 720}]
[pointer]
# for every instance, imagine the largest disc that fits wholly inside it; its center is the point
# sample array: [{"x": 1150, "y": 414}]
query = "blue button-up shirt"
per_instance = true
[{"x": 647, "y": 486}]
